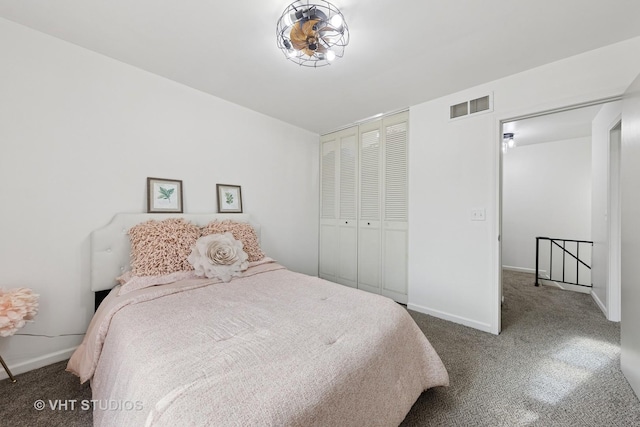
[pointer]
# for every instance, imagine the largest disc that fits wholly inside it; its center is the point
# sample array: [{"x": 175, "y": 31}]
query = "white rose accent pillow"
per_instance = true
[{"x": 218, "y": 256}]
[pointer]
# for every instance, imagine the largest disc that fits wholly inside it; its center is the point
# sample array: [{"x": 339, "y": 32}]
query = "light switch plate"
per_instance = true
[{"x": 477, "y": 214}]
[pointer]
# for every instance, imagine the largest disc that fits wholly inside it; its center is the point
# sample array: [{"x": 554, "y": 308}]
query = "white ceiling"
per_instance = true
[
  {"x": 402, "y": 52},
  {"x": 553, "y": 127}
]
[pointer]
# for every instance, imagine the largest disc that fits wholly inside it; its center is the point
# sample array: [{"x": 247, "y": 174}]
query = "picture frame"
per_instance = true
[
  {"x": 229, "y": 198},
  {"x": 164, "y": 195}
]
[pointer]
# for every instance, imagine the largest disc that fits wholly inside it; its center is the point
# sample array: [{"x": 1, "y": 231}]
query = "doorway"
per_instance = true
[{"x": 563, "y": 183}]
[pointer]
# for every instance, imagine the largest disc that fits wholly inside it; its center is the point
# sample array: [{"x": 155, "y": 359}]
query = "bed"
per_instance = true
[{"x": 271, "y": 347}]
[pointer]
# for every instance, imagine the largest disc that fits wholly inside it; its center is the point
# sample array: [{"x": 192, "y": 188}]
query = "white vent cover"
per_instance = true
[
  {"x": 484, "y": 103},
  {"x": 459, "y": 110}
]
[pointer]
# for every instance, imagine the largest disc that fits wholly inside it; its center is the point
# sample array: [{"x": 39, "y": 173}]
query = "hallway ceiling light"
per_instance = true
[
  {"x": 507, "y": 142},
  {"x": 312, "y": 35},
  {"x": 510, "y": 141}
]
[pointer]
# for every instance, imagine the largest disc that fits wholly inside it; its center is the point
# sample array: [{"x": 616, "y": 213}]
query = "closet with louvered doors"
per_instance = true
[{"x": 374, "y": 183}]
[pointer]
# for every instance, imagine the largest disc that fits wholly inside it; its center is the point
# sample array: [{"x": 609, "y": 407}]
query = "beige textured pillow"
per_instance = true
[
  {"x": 241, "y": 231},
  {"x": 162, "y": 247}
]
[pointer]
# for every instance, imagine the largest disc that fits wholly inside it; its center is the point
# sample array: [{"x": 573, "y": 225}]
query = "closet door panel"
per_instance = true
[
  {"x": 348, "y": 174},
  {"x": 395, "y": 207},
  {"x": 396, "y": 177},
  {"x": 347, "y": 253},
  {"x": 338, "y": 210},
  {"x": 347, "y": 208},
  {"x": 370, "y": 209},
  {"x": 370, "y": 167},
  {"x": 395, "y": 261},
  {"x": 327, "y": 264},
  {"x": 369, "y": 256},
  {"x": 328, "y": 250},
  {"x": 329, "y": 179}
]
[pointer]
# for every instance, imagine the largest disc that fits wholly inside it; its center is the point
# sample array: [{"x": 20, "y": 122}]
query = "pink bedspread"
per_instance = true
[{"x": 274, "y": 348}]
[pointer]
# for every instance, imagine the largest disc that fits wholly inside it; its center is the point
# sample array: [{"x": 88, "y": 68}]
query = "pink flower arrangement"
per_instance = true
[{"x": 17, "y": 306}]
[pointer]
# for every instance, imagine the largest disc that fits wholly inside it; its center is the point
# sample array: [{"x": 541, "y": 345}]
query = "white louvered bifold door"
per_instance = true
[
  {"x": 338, "y": 207},
  {"x": 370, "y": 207},
  {"x": 348, "y": 208},
  {"x": 328, "y": 268},
  {"x": 395, "y": 206}
]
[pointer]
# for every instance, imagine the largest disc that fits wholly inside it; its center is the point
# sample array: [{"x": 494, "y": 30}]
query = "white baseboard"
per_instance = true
[
  {"x": 524, "y": 270},
  {"x": 565, "y": 286},
  {"x": 38, "y": 362},
  {"x": 544, "y": 280},
  {"x": 600, "y": 304},
  {"x": 548, "y": 282},
  {"x": 485, "y": 327}
]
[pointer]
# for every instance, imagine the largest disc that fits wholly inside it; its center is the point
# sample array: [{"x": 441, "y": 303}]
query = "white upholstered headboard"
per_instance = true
[{"x": 110, "y": 246}]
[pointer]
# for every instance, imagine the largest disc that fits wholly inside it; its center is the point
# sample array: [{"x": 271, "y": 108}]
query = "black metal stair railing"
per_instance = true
[{"x": 554, "y": 243}]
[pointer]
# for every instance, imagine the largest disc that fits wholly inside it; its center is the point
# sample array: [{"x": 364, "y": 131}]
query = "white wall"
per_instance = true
[
  {"x": 79, "y": 135},
  {"x": 453, "y": 261},
  {"x": 629, "y": 178},
  {"x": 546, "y": 192},
  {"x": 607, "y": 117}
]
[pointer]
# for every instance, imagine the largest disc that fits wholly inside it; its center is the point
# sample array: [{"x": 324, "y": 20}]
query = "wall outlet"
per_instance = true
[{"x": 477, "y": 214}]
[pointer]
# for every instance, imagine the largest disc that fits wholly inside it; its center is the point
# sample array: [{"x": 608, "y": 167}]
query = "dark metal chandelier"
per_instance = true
[{"x": 312, "y": 34}]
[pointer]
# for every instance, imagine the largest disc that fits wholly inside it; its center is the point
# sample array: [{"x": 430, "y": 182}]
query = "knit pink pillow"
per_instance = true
[
  {"x": 242, "y": 231},
  {"x": 162, "y": 247}
]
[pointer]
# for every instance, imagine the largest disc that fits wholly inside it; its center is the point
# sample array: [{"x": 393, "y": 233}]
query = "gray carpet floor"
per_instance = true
[{"x": 556, "y": 363}]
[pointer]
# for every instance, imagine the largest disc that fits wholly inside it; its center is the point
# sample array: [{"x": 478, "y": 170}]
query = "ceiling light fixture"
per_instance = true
[
  {"x": 312, "y": 34},
  {"x": 507, "y": 141}
]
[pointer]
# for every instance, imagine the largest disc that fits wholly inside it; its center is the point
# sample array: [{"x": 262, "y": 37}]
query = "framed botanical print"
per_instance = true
[
  {"x": 229, "y": 198},
  {"x": 164, "y": 195}
]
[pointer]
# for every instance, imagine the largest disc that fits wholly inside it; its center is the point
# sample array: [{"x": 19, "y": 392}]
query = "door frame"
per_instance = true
[
  {"x": 498, "y": 172},
  {"x": 614, "y": 221}
]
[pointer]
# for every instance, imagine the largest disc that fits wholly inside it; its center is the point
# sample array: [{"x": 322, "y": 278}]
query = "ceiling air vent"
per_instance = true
[{"x": 470, "y": 107}]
